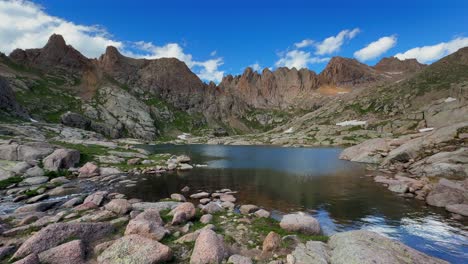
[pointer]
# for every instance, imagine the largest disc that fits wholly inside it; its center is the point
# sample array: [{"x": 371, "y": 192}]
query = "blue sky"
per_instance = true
[{"x": 223, "y": 37}]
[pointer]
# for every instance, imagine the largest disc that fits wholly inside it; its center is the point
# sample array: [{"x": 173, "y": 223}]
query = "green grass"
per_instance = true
[
  {"x": 12, "y": 180},
  {"x": 266, "y": 225},
  {"x": 87, "y": 152}
]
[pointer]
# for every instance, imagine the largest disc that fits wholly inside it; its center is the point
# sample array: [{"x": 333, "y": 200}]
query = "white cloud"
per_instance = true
[
  {"x": 334, "y": 43},
  {"x": 427, "y": 54},
  {"x": 298, "y": 59},
  {"x": 256, "y": 67},
  {"x": 206, "y": 70},
  {"x": 376, "y": 48},
  {"x": 26, "y": 25},
  {"x": 304, "y": 43},
  {"x": 213, "y": 53}
]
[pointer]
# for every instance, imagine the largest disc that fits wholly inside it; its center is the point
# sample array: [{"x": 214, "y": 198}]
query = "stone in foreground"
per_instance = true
[
  {"x": 300, "y": 222},
  {"x": 72, "y": 252},
  {"x": 209, "y": 248},
  {"x": 366, "y": 247},
  {"x": 310, "y": 252},
  {"x": 55, "y": 234},
  {"x": 135, "y": 249}
]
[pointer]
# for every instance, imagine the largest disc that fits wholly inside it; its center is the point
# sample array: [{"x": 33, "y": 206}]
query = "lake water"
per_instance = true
[{"x": 336, "y": 192}]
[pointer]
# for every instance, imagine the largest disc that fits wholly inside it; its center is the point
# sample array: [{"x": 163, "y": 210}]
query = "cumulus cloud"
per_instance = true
[
  {"x": 256, "y": 67},
  {"x": 26, "y": 25},
  {"x": 298, "y": 59},
  {"x": 376, "y": 48},
  {"x": 304, "y": 43},
  {"x": 206, "y": 70},
  {"x": 334, "y": 43},
  {"x": 428, "y": 54}
]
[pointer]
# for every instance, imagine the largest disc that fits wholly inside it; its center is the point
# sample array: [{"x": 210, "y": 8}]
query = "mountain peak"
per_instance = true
[
  {"x": 56, "y": 41},
  {"x": 393, "y": 64},
  {"x": 346, "y": 71}
]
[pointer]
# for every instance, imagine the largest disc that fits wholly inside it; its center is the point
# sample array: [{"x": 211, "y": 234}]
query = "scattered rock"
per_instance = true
[
  {"x": 206, "y": 218},
  {"x": 367, "y": 247},
  {"x": 209, "y": 248},
  {"x": 311, "y": 252},
  {"x": 185, "y": 189},
  {"x": 212, "y": 208},
  {"x": 178, "y": 197},
  {"x": 55, "y": 234},
  {"x": 271, "y": 242},
  {"x": 447, "y": 192},
  {"x": 262, "y": 213},
  {"x": 72, "y": 252},
  {"x": 147, "y": 224},
  {"x": 248, "y": 209},
  {"x": 134, "y": 161},
  {"x": 36, "y": 207},
  {"x": 200, "y": 195},
  {"x": 61, "y": 159},
  {"x": 97, "y": 198},
  {"x": 184, "y": 166},
  {"x": 135, "y": 249},
  {"x": 227, "y": 198},
  {"x": 461, "y": 209},
  {"x": 35, "y": 171},
  {"x": 300, "y": 222},
  {"x": 119, "y": 206},
  {"x": 183, "y": 213},
  {"x": 238, "y": 259},
  {"x": 88, "y": 170}
]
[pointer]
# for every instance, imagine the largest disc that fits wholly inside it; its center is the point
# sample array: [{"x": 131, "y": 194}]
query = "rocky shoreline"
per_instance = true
[{"x": 59, "y": 206}]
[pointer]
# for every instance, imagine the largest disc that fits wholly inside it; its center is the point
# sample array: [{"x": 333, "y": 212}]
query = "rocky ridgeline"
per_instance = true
[
  {"x": 430, "y": 166},
  {"x": 57, "y": 211}
]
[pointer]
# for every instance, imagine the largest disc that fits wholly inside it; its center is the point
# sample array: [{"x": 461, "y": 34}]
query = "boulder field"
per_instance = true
[{"x": 57, "y": 208}]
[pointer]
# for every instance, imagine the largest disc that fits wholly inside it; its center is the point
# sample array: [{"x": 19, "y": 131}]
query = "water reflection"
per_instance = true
[{"x": 312, "y": 179}]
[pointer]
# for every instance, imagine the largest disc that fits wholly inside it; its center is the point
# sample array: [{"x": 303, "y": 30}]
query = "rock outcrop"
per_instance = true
[{"x": 8, "y": 103}]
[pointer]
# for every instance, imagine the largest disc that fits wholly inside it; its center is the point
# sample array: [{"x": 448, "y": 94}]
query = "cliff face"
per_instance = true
[
  {"x": 8, "y": 103},
  {"x": 395, "y": 65},
  {"x": 160, "y": 87}
]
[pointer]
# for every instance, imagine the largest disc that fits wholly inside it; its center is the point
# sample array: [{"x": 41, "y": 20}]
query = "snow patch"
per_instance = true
[
  {"x": 184, "y": 136},
  {"x": 33, "y": 120},
  {"x": 289, "y": 131},
  {"x": 352, "y": 123},
  {"x": 450, "y": 99},
  {"x": 426, "y": 129}
]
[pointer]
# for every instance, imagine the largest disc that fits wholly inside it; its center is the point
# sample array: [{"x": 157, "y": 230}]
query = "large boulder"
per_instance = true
[
  {"x": 27, "y": 152},
  {"x": 135, "y": 249},
  {"x": 366, "y": 247},
  {"x": 61, "y": 159},
  {"x": 447, "y": 192},
  {"x": 148, "y": 224},
  {"x": 119, "y": 206},
  {"x": 271, "y": 242},
  {"x": 209, "y": 248},
  {"x": 300, "y": 222},
  {"x": 56, "y": 234},
  {"x": 88, "y": 170},
  {"x": 75, "y": 120},
  {"x": 183, "y": 213},
  {"x": 443, "y": 164},
  {"x": 414, "y": 148},
  {"x": 97, "y": 198},
  {"x": 72, "y": 252},
  {"x": 311, "y": 252},
  {"x": 368, "y": 151},
  {"x": 461, "y": 209}
]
